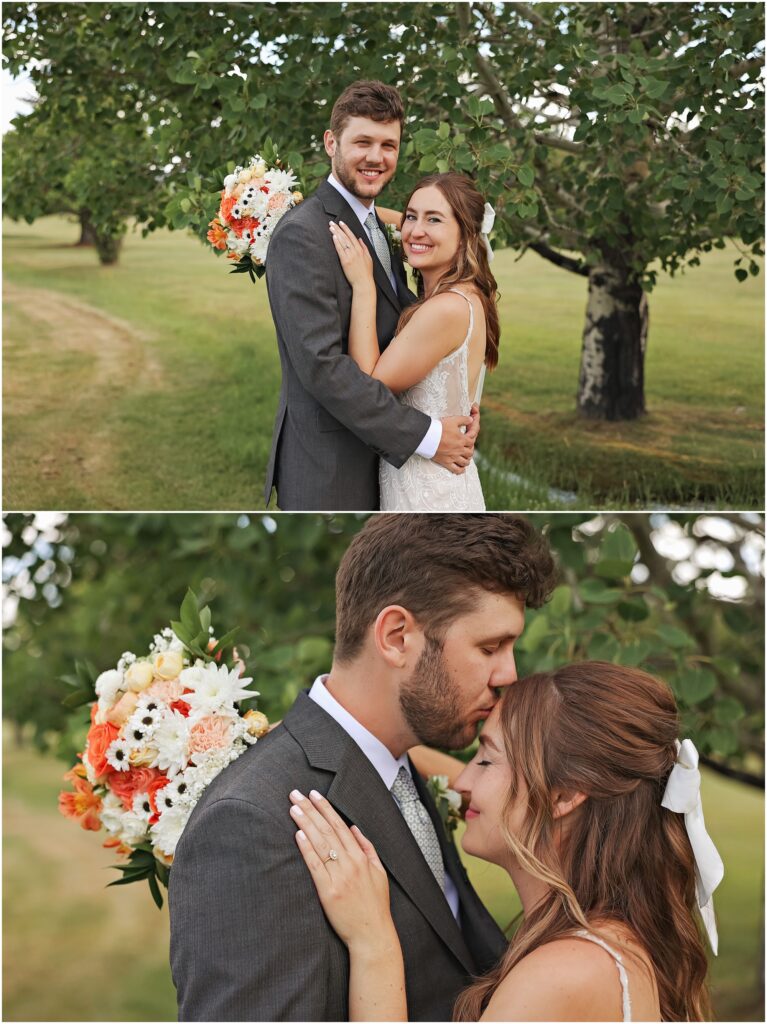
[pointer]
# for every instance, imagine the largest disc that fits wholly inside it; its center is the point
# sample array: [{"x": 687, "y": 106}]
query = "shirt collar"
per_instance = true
[
  {"x": 359, "y": 208},
  {"x": 379, "y": 756}
]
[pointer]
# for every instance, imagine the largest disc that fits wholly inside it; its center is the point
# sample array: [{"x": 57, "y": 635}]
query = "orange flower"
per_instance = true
[
  {"x": 119, "y": 847},
  {"x": 83, "y": 805},
  {"x": 99, "y": 738},
  {"x": 154, "y": 789},
  {"x": 217, "y": 235},
  {"x": 233, "y": 256},
  {"x": 238, "y": 226},
  {"x": 125, "y": 785},
  {"x": 227, "y": 202}
]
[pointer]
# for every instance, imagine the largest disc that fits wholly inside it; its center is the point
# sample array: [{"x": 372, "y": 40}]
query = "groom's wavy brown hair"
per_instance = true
[
  {"x": 433, "y": 564},
  {"x": 470, "y": 265},
  {"x": 620, "y": 857},
  {"x": 373, "y": 99}
]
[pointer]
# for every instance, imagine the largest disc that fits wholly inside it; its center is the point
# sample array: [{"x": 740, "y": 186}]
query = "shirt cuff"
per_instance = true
[{"x": 427, "y": 449}]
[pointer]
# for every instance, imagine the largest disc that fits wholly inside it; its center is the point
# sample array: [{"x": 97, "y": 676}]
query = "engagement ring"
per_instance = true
[{"x": 332, "y": 855}]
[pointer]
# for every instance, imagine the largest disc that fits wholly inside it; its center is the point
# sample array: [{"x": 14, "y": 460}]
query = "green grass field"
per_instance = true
[
  {"x": 76, "y": 951},
  {"x": 153, "y": 384}
]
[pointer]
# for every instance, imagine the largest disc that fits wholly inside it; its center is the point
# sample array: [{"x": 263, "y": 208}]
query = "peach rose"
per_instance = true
[
  {"x": 98, "y": 740},
  {"x": 123, "y": 709},
  {"x": 278, "y": 201},
  {"x": 166, "y": 690},
  {"x": 211, "y": 733}
]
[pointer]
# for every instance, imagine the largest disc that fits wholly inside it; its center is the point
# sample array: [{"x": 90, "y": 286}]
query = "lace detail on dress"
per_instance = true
[
  {"x": 621, "y": 970},
  {"x": 421, "y": 485}
]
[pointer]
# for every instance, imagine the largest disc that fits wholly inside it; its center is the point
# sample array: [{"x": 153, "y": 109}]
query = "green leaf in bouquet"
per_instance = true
[
  {"x": 74, "y": 700},
  {"x": 129, "y": 879},
  {"x": 70, "y": 680},
  {"x": 205, "y": 618},
  {"x": 181, "y": 632},
  {"x": 163, "y": 872},
  {"x": 155, "y": 890},
  {"x": 190, "y": 615},
  {"x": 225, "y": 640}
]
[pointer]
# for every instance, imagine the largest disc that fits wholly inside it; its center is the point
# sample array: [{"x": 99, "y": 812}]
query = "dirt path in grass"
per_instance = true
[{"x": 61, "y": 386}]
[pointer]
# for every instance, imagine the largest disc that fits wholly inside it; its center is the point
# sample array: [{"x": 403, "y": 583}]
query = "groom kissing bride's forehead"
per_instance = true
[{"x": 428, "y": 609}]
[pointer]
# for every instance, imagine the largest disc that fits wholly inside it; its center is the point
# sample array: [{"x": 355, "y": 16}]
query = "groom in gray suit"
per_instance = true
[
  {"x": 334, "y": 421},
  {"x": 428, "y": 610}
]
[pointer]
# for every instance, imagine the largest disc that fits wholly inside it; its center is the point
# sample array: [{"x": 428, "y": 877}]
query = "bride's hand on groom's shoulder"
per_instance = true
[
  {"x": 351, "y": 881},
  {"x": 354, "y": 255}
]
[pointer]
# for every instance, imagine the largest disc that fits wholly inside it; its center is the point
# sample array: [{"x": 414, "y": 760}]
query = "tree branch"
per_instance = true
[
  {"x": 501, "y": 100},
  {"x": 732, "y": 773},
  {"x": 559, "y": 259}
]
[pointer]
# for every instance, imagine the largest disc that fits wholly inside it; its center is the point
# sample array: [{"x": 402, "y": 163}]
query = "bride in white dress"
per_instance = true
[{"x": 437, "y": 360}]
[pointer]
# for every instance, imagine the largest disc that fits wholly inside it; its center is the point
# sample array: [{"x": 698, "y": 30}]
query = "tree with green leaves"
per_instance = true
[
  {"x": 61, "y": 159},
  {"x": 614, "y": 139},
  {"x": 96, "y": 585}
]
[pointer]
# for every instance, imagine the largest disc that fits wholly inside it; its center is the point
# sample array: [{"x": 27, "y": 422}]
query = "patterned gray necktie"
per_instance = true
[
  {"x": 419, "y": 823},
  {"x": 380, "y": 244}
]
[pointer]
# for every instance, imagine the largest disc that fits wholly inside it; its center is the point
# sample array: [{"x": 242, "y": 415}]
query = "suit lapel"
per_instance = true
[
  {"x": 336, "y": 206},
  {"x": 358, "y": 793}
]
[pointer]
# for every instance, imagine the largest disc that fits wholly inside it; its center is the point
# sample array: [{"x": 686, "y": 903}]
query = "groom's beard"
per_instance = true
[
  {"x": 347, "y": 176},
  {"x": 431, "y": 702}
]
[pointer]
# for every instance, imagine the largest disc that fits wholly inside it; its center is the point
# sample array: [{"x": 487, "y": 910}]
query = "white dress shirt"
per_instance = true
[
  {"x": 427, "y": 449},
  {"x": 379, "y": 756}
]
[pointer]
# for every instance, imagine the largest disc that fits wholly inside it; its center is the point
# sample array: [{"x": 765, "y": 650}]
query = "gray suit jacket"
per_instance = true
[
  {"x": 333, "y": 421},
  {"x": 249, "y": 940}
]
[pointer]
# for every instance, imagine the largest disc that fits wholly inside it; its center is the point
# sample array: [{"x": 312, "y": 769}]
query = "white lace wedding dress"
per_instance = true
[{"x": 422, "y": 485}]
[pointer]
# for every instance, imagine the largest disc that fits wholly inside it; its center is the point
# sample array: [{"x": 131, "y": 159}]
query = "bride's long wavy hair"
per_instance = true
[
  {"x": 620, "y": 856},
  {"x": 470, "y": 264}
]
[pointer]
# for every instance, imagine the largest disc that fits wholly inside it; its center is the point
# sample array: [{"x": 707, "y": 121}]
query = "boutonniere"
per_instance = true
[
  {"x": 395, "y": 239},
  {"x": 447, "y": 800}
]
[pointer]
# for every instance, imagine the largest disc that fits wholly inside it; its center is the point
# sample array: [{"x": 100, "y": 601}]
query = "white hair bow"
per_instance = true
[
  {"x": 682, "y": 795},
  {"x": 488, "y": 220}
]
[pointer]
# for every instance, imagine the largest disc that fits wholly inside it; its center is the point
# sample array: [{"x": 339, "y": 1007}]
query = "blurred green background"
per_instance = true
[{"x": 680, "y": 594}]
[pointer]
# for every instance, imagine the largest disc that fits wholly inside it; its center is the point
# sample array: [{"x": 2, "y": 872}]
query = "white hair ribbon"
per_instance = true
[
  {"x": 488, "y": 220},
  {"x": 682, "y": 795}
]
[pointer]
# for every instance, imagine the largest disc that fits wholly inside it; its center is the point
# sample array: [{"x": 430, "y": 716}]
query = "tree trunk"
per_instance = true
[
  {"x": 87, "y": 229},
  {"x": 611, "y": 383},
  {"x": 108, "y": 247}
]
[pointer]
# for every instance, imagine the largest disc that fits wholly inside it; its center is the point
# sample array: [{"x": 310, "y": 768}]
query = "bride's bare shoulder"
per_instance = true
[{"x": 569, "y": 979}]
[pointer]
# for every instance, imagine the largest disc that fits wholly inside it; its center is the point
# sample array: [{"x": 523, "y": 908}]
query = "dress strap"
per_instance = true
[{"x": 621, "y": 969}]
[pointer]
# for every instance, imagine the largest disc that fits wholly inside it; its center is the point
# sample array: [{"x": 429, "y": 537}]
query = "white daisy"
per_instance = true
[
  {"x": 142, "y": 808},
  {"x": 171, "y": 737},
  {"x": 118, "y": 754},
  {"x": 214, "y": 687},
  {"x": 259, "y": 247}
]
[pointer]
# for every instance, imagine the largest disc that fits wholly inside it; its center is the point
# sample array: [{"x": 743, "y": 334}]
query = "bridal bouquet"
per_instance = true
[
  {"x": 253, "y": 201},
  {"x": 163, "y": 726}
]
